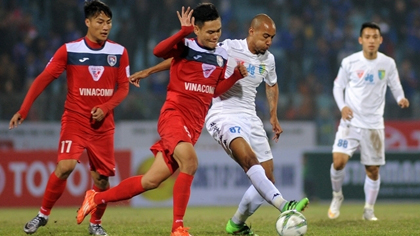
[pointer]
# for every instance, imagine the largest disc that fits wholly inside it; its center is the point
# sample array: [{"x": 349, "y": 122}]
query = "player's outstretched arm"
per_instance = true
[
  {"x": 136, "y": 77},
  {"x": 223, "y": 86}
]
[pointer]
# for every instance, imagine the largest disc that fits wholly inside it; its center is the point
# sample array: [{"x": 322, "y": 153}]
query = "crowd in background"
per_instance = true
[{"x": 313, "y": 36}]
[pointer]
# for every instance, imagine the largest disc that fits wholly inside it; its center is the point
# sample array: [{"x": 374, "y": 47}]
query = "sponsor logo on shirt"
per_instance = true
[
  {"x": 96, "y": 72},
  {"x": 112, "y": 60},
  {"x": 96, "y": 92},
  {"x": 207, "y": 69},
  {"x": 202, "y": 88},
  {"x": 381, "y": 74},
  {"x": 369, "y": 78},
  {"x": 251, "y": 70},
  {"x": 84, "y": 59},
  {"x": 262, "y": 69},
  {"x": 360, "y": 73}
]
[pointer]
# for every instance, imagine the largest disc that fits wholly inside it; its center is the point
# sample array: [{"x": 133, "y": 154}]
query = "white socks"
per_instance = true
[
  {"x": 337, "y": 178},
  {"x": 371, "y": 191},
  {"x": 265, "y": 187},
  {"x": 250, "y": 202}
]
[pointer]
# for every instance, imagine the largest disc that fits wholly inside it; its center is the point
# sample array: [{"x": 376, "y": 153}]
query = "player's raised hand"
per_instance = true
[
  {"x": 277, "y": 130},
  {"x": 97, "y": 114},
  {"x": 135, "y": 78},
  {"x": 404, "y": 103},
  {"x": 185, "y": 17},
  {"x": 15, "y": 121},
  {"x": 346, "y": 113},
  {"x": 242, "y": 69}
]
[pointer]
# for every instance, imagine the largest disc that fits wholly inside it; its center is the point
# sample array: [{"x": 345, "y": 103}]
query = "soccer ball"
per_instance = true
[{"x": 291, "y": 223}]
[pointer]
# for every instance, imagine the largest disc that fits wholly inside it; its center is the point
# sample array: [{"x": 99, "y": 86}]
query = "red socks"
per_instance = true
[
  {"x": 55, "y": 187},
  {"x": 127, "y": 189},
  {"x": 182, "y": 191},
  {"x": 96, "y": 217}
]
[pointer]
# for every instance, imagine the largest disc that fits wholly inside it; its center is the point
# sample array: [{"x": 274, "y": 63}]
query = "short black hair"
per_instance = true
[
  {"x": 205, "y": 12},
  {"x": 95, "y": 7},
  {"x": 372, "y": 25}
]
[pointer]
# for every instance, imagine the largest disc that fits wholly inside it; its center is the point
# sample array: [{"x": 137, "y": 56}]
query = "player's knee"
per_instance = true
[
  {"x": 63, "y": 170},
  {"x": 101, "y": 183},
  {"x": 339, "y": 161},
  {"x": 372, "y": 172},
  {"x": 339, "y": 165},
  {"x": 189, "y": 168}
]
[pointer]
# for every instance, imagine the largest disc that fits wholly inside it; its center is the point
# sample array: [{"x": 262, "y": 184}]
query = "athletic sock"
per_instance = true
[
  {"x": 337, "y": 178},
  {"x": 250, "y": 202},
  {"x": 53, "y": 191},
  {"x": 371, "y": 191},
  {"x": 96, "y": 216},
  {"x": 127, "y": 189},
  {"x": 265, "y": 187},
  {"x": 182, "y": 191}
]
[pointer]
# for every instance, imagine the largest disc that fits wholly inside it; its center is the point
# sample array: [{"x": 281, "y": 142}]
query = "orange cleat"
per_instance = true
[
  {"x": 181, "y": 231},
  {"x": 88, "y": 206}
]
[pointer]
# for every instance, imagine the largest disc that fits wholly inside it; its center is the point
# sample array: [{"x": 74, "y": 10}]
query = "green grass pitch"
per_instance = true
[{"x": 394, "y": 219}]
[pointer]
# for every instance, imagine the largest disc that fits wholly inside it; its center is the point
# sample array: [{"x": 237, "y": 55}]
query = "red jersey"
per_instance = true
[
  {"x": 194, "y": 74},
  {"x": 93, "y": 72}
]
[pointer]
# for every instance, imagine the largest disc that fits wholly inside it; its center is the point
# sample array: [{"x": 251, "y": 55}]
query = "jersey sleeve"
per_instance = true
[
  {"x": 271, "y": 78},
  {"x": 39, "y": 84},
  {"x": 340, "y": 84},
  {"x": 225, "y": 84},
  {"x": 53, "y": 70},
  {"x": 122, "y": 85},
  {"x": 58, "y": 62},
  {"x": 174, "y": 45},
  {"x": 394, "y": 83}
]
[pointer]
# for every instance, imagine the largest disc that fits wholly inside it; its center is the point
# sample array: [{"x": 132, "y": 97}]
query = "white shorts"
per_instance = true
[
  {"x": 226, "y": 127},
  {"x": 371, "y": 142}
]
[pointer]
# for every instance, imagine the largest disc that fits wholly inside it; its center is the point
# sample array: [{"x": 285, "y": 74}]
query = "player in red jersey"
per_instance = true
[
  {"x": 196, "y": 75},
  {"x": 94, "y": 65}
]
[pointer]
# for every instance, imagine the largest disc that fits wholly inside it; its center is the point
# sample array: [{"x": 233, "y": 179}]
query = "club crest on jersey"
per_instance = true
[
  {"x": 207, "y": 69},
  {"x": 381, "y": 74},
  {"x": 112, "y": 60},
  {"x": 262, "y": 69},
  {"x": 219, "y": 61},
  {"x": 360, "y": 73},
  {"x": 96, "y": 72}
]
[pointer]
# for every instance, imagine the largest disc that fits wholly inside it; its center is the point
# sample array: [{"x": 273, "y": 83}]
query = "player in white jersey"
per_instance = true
[
  {"x": 359, "y": 91},
  {"x": 233, "y": 122}
]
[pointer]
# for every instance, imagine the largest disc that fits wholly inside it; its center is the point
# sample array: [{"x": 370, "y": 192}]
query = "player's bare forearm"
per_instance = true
[
  {"x": 272, "y": 93},
  {"x": 136, "y": 77}
]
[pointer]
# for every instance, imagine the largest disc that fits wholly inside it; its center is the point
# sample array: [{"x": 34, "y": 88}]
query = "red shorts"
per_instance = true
[
  {"x": 74, "y": 139},
  {"x": 173, "y": 128}
]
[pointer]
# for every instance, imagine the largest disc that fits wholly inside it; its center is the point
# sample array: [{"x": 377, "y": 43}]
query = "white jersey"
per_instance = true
[
  {"x": 241, "y": 97},
  {"x": 365, "y": 83}
]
